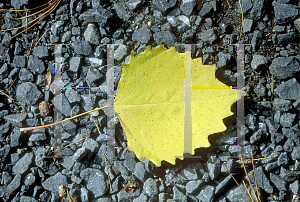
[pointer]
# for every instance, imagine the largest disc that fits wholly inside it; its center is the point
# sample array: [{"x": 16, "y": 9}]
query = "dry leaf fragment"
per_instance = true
[
  {"x": 44, "y": 108},
  {"x": 137, "y": 45},
  {"x": 131, "y": 185},
  {"x": 48, "y": 80},
  {"x": 62, "y": 191}
]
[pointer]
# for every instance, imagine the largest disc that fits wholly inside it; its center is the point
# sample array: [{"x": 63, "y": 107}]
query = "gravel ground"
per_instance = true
[{"x": 272, "y": 99}]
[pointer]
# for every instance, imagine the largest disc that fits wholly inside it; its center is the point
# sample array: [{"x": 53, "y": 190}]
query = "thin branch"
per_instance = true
[
  {"x": 48, "y": 12},
  {"x": 242, "y": 19},
  {"x": 74, "y": 117},
  {"x": 107, "y": 171},
  {"x": 236, "y": 181},
  {"x": 7, "y": 96},
  {"x": 41, "y": 37}
]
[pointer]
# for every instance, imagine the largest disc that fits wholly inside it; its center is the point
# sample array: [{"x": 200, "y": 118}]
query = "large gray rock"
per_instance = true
[
  {"x": 284, "y": 67},
  {"x": 96, "y": 181},
  {"x": 92, "y": 34},
  {"x": 28, "y": 93}
]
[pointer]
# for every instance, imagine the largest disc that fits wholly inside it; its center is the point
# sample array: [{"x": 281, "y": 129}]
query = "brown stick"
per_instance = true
[{"x": 74, "y": 117}]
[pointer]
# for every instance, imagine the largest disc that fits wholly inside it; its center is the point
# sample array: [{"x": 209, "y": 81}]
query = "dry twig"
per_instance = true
[{"x": 74, "y": 117}]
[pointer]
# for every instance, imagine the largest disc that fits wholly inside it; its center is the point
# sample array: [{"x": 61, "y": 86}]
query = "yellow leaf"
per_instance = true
[{"x": 150, "y": 103}]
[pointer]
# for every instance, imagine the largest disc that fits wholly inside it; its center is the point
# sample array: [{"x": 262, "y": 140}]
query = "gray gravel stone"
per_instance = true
[
  {"x": 258, "y": 61},
  {"x": 70, "y": 127},
  {"x": 140, "y": 171},
  {"x": 194, "y": 186},
  {"x": 295, "y": 187},
  {"x": 189, "y": 173},
  {"x": 282, "y": 105},
  {"x": 53, "y": 182},
  {"x": 93, "y": 15},
  {"x": 121, "y": 12},
  {"x": 246, "y": 5},
  {"x": 142, "y": 198},
  {"x": 206, "y": 194},
  {"x": 80, "y": 154},
  {"x": 289, "y": 90},
  {"x": 133, "y": 4},
  {"x": 13, "y": 185},
  {"x": 178, "y": 195},
  {"x": 150, "y": 187},
  {"x": 66, "y": 36},
  {"x": 221, "y": 186},
  {"x": 16, "y": 119},
  {"x": 41, "y": 52},
  {"x": 256, "y": 39},
  {"x": 18, "y": 3},
  {"x": 279, "y": 183},
  {"x": 36, "y": 65},
  {"x": 91, "y": 145},
  {"x": 173, "y": 21},
  {"x": 224, "y": 59},
  {"x": 296, "y": 104},
  {"x": 19, "y": 61},
  {"x": 260, "y": 89},
  {"x": 296, "y": 153},
  {"x": 164, "y": 37},
  {"x": 92, "y": 34},
  {"x": 119, "y": 33},
  {"x": 75, "y": 31},
  {"x": 82, "y": 48},
  {"x": 261, "y": 179},
  {"x": 121, "y": 52},
  {"x": 142, "y": 35},
  {"x": 214, "y": 169},
  {"x": 284, "y": 12},
  {"x": 93, "y": 75},
  {"x": 224, "y": 28},
  {"x": 16, "y": 138},
  {"x": 88, "y": 101},
  {"x": 187, "y": 6},
  {"x": 206, "y": 10},
  {"x": 28, "y": 199},
  {"x": 288, "y": 175},
  {"x": 74, "y": 64},
  {"x": 258, "y": 10},
  {"x": 283, "y": 159},
  {"x": 72, "y": 95},
  {"x": 158, "y": 15},
  {"x": 95, "y": 181},
  {"x": 164, "y": 5},
  {"x": 4, "y": 151},
  {"x": 208, "y": 36},
  {"x": 124, "y": 196},
  {"x": 38, "y": 135},
  {"x": 56, "y": 28},
  {"x": 4, "y": 128},
  {"x": 29, "y": 179},
  {"x": 25, "y": 75},
  {"x": 284, "y": 39},
  {"x": 247, "y": 25},
  {"x": 4, "y": 71}
]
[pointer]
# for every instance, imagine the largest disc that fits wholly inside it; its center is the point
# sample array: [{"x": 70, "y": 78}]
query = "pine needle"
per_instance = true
[
  {"x": 12, "y": 83},
  {"x": 74, "y": 117},
  {"x": 107, "y": 171},
  {"x": 29, "y": 50},
  {"x": 52, "y": 7},
  {"x": 242, "y": 19},
  {"x": 236, "y": 181},
  {"x": 41, "y": 37},
  {"x": 7, "y": 96}
]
